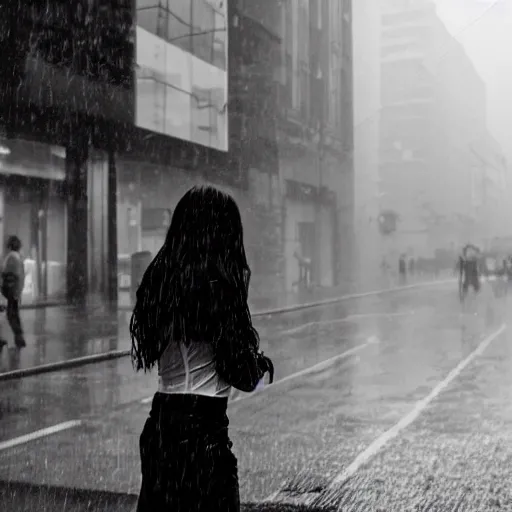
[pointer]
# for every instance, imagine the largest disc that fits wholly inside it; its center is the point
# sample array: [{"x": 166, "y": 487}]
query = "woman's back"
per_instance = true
[
  {"x": 193, "y": 321},
  {"x": 190, "y": 368}
]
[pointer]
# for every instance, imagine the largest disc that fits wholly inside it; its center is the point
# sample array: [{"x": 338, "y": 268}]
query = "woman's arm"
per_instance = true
[
  {"x": 239, "y": 362},
  {"x": 242, "y": 368}
]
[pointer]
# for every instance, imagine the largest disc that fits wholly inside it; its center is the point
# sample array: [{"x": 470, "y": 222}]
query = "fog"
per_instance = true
[
  {"x": 432, "y": 125},
  {"x": 484, "y": 29}
]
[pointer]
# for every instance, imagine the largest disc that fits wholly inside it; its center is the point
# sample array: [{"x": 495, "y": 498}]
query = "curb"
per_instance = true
[
  {"x": 334, "y": 300},
  {"x": 44, "y": 305},
  {"x": 117, "y": 354},
  {"x": 63, "y": 365}
]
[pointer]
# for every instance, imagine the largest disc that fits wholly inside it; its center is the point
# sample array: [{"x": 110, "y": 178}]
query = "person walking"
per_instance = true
[
  {"x": 13, "y": 281},
  {"x": 469, "y": 273},
  {"x": 402, "y": 270},
  {"x": 191, "y": 319}
]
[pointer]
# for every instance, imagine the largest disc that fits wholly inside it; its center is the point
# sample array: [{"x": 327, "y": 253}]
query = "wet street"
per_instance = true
[{"x": 393, "y": 402}]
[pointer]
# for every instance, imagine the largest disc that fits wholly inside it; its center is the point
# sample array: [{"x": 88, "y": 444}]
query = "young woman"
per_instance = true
[{"x": 191, "y": 318}]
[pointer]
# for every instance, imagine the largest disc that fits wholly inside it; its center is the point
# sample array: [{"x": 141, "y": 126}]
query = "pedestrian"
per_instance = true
[
  {"x": 13, "y": 281},
  {"x": 402, "y": 269},
  {"x": 191, "y": 320},
  {"x": 469, "y": 276}
]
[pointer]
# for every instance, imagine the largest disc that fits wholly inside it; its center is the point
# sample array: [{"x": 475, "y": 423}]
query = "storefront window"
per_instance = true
[{"x": 33, "y": 207}]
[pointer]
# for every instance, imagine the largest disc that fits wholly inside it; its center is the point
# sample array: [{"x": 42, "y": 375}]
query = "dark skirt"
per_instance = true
[{"x": 186, "y": 458}]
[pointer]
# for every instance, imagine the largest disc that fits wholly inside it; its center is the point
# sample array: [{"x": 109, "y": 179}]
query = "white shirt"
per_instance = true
[{"x": 190, "y": 369}]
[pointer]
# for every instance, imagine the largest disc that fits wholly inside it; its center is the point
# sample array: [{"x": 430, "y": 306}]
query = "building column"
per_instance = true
[
  {"x": 77, "y": 220},
  {"x": 112, "y": 285}
]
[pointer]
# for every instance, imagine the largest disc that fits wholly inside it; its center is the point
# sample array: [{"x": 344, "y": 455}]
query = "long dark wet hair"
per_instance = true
[{"x": 196, "y": 287}]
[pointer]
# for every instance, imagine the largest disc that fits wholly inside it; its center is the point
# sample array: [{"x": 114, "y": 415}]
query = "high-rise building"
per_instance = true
[{"x": 433, "y": 109}]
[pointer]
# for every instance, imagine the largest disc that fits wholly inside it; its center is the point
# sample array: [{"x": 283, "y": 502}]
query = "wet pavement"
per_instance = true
[
  {"x": 60, "y": 333},
  {"x": 295, "y": 440}
]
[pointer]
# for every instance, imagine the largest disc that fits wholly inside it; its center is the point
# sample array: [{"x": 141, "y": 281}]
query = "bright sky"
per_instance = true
[{"x": 484, "y": 27}]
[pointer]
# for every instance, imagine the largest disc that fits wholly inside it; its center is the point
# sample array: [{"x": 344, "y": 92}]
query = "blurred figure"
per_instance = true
[
  {"x": 191, "y": 318},
  {"x": 508, "y": 268},
  {"x": 304, "y": 281},
  {"x": 508, "y": 272},
  {"x": 469, "y": 274},
  {"x": 13, "y": 281},
  {"x": 402, "y": 270}
]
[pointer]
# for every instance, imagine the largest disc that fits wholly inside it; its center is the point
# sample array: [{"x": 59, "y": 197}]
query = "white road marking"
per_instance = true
[
  {"x": 372, "y": 340},
  {"x": 358, "y": 316},
  {"x": 312, "y": 369},
  {"x": 38, "y": 434},
  {"x": 420, "y": 406},
  {"x": 349, "y": 318}
]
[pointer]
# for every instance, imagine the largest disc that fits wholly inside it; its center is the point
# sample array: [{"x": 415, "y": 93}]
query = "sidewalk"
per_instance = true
[{"x": 60, "y": 333}]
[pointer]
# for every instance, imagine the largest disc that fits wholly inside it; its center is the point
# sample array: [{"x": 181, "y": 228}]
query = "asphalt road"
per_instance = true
[{"x": 387, "y": 403}]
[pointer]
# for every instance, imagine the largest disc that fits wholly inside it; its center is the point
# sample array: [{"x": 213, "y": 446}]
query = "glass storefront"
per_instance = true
[{"x": 33, "y": 207}]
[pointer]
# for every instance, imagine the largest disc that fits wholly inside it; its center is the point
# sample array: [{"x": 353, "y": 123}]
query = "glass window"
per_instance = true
[
  {"x": 34, "y": 208},
  {"x": 179, "y": 25},
  {"x": 147, "y": 18},
  {"x": 181, "y": 71}
]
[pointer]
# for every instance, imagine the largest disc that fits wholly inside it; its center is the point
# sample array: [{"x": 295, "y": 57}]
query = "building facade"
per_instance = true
[
  {"x": 433, "y": 110},
  {"x": 367, "y": 112},
  {"x": 490, "y": 191},
  {"x": 100, "y": 138},
  {"x": 205, "y": 100},
  {"x": 288, "y": 125},
  {"x": 66, "y": 87},
  {"x": 315, "y": 134}
]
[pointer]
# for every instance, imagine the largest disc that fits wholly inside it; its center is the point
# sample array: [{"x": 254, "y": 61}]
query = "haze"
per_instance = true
[{"x": 484, "y": 27}]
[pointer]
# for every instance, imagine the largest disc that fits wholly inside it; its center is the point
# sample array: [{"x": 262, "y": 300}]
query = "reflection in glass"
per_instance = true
[
  {"x": 181, "y": 70},
  {"x": 33, "y": 207}
]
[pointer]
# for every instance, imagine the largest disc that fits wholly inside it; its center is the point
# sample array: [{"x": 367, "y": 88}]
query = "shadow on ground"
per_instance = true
[{"x": 23, "y": 497}]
